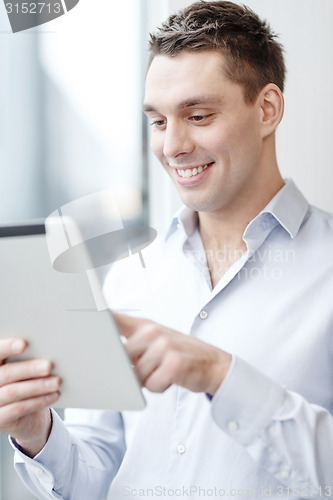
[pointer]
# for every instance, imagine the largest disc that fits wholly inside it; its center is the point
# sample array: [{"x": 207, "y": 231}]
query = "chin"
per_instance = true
[{"x": 195, "y": 205}]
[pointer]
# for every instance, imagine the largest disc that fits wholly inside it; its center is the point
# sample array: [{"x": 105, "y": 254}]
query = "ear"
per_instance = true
[{"x": 271, "y": 104}]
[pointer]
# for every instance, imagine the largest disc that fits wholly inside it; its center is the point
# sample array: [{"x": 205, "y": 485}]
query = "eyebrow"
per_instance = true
[{"x": 206, "y": 100}]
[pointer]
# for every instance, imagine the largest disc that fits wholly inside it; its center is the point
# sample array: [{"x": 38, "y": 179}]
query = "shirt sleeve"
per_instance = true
[
  {"x": 289, "y": 437},
  {"x": 79, "y": 460}
]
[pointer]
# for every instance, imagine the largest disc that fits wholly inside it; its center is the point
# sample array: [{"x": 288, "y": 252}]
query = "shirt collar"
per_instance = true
[
  {"x": 186, "y": 220},
  {"x": 287, "y": 208}
]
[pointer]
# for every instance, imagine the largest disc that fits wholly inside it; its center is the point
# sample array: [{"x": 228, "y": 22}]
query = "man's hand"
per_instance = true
[
  {"x": 163, "y": 357},
  {"x": 27, "y": 389}
]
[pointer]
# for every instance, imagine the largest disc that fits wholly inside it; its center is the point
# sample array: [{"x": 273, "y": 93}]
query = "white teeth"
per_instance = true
[{"x": 191, "y": 172}]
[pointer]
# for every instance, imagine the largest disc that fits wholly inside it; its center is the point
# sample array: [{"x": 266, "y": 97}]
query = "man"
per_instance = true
[{"x": 239, "y": 402}]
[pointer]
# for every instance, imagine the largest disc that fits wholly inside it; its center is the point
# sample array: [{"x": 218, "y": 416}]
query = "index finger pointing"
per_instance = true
[{"x": 127, "y": 324}]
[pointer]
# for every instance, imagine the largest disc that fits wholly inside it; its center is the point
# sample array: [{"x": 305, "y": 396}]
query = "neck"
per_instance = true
[{"x": 226, "y": 226}]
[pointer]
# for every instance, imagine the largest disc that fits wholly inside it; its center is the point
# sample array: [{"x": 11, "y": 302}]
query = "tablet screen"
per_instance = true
[{"x": 56, "y": 313}]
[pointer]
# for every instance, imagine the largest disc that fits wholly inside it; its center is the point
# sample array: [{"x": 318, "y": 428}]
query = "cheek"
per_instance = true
[
  {"x": 156, "y": 144},
  {"x": 243, "y": 140},
  {"x": 217, "y": 138}
]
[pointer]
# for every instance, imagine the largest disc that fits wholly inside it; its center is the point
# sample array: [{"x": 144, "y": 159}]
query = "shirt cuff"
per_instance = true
[
  {"x": 246, "y": 402},
  {"x": 54, "y": 456}
]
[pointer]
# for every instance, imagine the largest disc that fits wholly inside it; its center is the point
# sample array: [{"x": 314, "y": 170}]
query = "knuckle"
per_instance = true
[
  {"x": 174, "y": 362},
  {"x": 163, "y": 344},
  {"x": 148, "y": 331},
  {"x": 9, "y": 392},
  {"x": 18, "y": 409},
  {"x": 6, "y": 374}
]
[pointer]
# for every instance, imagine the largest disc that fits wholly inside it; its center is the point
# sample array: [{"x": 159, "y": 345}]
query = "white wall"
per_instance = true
[
  {"x": 305, "y": 136},
  {"x": 163, "y": 198}
]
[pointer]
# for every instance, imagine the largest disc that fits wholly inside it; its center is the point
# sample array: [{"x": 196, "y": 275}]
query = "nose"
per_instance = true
[{"x": 177, "y": 140}]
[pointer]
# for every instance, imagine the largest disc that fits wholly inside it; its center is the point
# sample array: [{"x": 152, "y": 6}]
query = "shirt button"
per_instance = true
[
  {"x": 181, "y": 449},
  {"x": 203, "y": 314},
  {"x": 285, "y": 474},
  {"x": 233, "y": 426}
]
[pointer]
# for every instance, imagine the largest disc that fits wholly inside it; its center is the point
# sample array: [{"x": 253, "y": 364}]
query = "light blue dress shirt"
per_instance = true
[{"x": 268, "y": 431}]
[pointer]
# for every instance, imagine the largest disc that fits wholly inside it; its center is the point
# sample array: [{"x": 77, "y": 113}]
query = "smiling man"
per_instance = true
[
  {"x": 217, "y": 146},
  {"x": 235, "y": 344}
]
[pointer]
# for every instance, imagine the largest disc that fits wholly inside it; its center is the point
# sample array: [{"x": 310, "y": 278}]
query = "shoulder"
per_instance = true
[
  {"x": 319, "y": 222},
  {"x": 321, "y": 214},
  {"x": 314, "y": 240}
]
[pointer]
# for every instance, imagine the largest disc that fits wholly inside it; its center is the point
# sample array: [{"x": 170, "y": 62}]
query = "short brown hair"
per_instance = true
[{"x": 253, "y": 56}]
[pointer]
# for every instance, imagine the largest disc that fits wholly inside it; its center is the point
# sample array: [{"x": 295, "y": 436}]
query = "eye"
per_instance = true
[
  {"x": 158, "y": 123},
  {"x": 200, "y": 118}
]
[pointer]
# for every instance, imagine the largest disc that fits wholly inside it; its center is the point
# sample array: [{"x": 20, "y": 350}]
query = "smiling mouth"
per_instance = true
[{"x": 191, "y": 172}]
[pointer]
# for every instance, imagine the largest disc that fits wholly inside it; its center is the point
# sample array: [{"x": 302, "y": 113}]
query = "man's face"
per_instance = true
[{"x": 203, "y": 133}]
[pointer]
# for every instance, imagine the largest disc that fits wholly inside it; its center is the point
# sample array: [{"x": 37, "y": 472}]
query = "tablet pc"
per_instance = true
[{"x": 56, "y": 313}]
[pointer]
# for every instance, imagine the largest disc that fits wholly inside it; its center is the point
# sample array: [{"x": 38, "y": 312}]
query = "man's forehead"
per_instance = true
[{"x": 189, "y": 79}]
